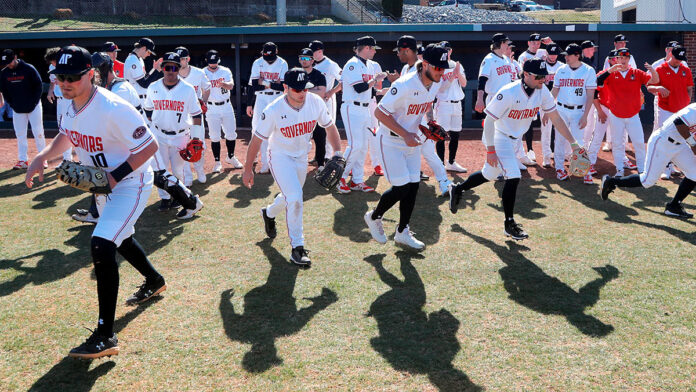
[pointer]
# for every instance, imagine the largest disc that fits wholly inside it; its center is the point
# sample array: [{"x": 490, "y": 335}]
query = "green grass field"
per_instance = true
[
  {"x": 599, "y": 298},
  {"x": 565, "y": 16}
]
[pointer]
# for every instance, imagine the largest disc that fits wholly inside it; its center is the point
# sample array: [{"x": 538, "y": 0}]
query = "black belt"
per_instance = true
[
  {"x": 570, "y": 107},
  {"x": 270, "y": 92},
  {"x": 142, "y": 96},
  {"x": 169, "y": 132},
  {"x": 356, "y": 103},
  {"x": 218, "y": 103},
  {"x": 393, "y": 134},
  {"x": 453, "y": 101},
  {"x": 676, "y": 143}
]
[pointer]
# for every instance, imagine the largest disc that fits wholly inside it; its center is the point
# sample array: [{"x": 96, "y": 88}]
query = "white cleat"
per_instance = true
[
  {"x": 188, "y": 214},
  {"x": 606, "y": 147},
  {"x": 521, "y": 165},
  {"x": 218, "y": 167},
  {"x": 455, "y": 167},
  {"x": 406, "y": 239},
  {"x": 376, "y": 227},
  {"x": 234, "y": 162},
  {"x": 445, "y": 187},
  {"x": 200, "y": 175},
  {"x": 526, "y": 161},
  {"x": 531, "y": 155},
  {"x": 86, "y": 218}
]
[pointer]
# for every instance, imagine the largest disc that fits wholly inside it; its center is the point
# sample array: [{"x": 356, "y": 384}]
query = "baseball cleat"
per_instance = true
[
  {"x": 376, "y": 227},
  {"x": 20, "y": 165},
  {"x": 546, "y": 162},
  {"x": 187, "y": 214},
  {"x": 361, "y": 187},
  {"x": 300, "y": 258},
  {"x": 96, "y": 346},
  {"x": 455, "y": 194},
  {"x": 561, "y": 175},
  {"x": 234, "y": 162},
  {"x": 165, "y": 205},
  {"x": 269, "y": 224},
  {"x": 592, "y": 171},
  {"x": 677, "y": 210},
  {"x": 406, "y": 239},
  {"x": 606, "y": 147},
  {"x": 665, "y": 176},
  {"x": 146, "y": 291},
  {"x": 424, "y": 177},
  {"x": 521, "y": 165},
  {"x": 607, "y": 186},
  {"x": 444, "y": 187},
  {"x": 455, "y": 167},
  {"x": 630, "y": 165},
  {"x": 531, "y": 155},
  {"x": 379, "y": 171},
  {"x": 525, "y": 160},
  {"x": 343, "y": 186},
  {"x": 218, "y": 167},
  {"x": 514, "y": 230},
  {"x": 85, "y": 218},
  {"x": 588, "y": 179}
]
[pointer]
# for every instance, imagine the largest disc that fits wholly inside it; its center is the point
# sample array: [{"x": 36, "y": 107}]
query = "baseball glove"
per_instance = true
[
  {"x": 434, "y": 131},
  {"x": 85, "y": 178},
  {"x": 193, "y": 151},
  {"x": 204, "y": 106},
  {"x": 329, "y": 176},
  {"x": 579, "y": 163}
]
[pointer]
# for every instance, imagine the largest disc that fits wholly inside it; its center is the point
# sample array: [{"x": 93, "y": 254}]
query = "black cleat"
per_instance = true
[
  {"x": 299, "y": 257},
  {"x": 677, "y": 210},
  {"x": 607, "y": 186},
  {"x": 174, "y": 204},
  {"x": 165, "y": 205},
  {"x": 146, "y": 291},
  {"x": 269, "y": 224},
  {"x": 514, "y": 230},
  {"x": 96, "y": 346},
  {"x": 424, "y": 177},
  {"x": 455, "y": 194}
]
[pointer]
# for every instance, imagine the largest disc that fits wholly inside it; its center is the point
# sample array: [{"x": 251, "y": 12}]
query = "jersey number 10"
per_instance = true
[{"x": 99, "y": 160}]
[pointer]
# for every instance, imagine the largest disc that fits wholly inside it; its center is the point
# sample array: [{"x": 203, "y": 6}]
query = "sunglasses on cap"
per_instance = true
[
  {"x": 70, "y": 78},
  {"x": 538, "y": 77},
  {"x": 437, "y": 69},
  {"x": 171, "y": 68},
  {"x": 304, "y": 90},
  {"x": 305, "y": 58}
]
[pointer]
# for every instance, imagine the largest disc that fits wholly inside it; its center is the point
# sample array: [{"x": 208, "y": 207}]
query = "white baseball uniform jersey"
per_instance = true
[
  {"x": 52, "y": 78},
  {"x": 134, "y": 70},
  {"x": 372, "y": 144},
  {"x": 499, "y": 71},
  {"x": 552, "y": 69},
  {"x": 273, "y": 72},
  {"x": 527, "y": 55},
  {"x": 631, "y": 61},
  {"x": 355, "y": 72},
  {"x": 573, "y": 83},
  {"x": 104, "y": 133},
  {"x": 220, "y": 115},
  {"x": 407, "y": 69},
  {"x": 198, "y": 79},
  {"x": 124, "y": 90},
  {"x": 332, "y": 72},
  {"x": 60, "y": 103},
  {"x": 217, "y": 92},
  {"x": 448, "y": 109}
]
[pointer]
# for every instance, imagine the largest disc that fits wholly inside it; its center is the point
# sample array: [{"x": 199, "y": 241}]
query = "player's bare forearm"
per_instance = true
[
  {"x": 561, "y": 126},
  {"x": 141, "y": 157},
  {"x": 205, "y": 94},
  {"x": 333, "y": 137},
  {"x": 588, "y": 101},
  {"x": 319, "y": 90},
  {"x": 252, "y": 151},
  {"x": 53, "y": 150},
  {"x": 227, "y": 85},
  {"x": 654, "y": 90},
  {"x": 554, "y": 92},
  {"x": 389, "y": 121}
]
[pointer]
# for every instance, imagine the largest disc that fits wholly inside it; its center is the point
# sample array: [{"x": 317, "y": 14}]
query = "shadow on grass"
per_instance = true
[
  {"x": 12, "y": 173},
  {"x": 19, "y": 188},
  {"x": 409, "y": 339},
  {"x": 260, "y": 190},
  {"x": 270, "y": 312},
  {"x": 74, "y": 375},
  {"x": 348, "y": 218},
  {"x": 530, "y": 286},
  {"x": 527, "y": 201}
]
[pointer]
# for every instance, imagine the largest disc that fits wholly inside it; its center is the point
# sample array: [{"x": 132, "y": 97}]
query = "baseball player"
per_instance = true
[
  {"x": 533, "y": 51},
  {"x": 54, "y": 95},
  {"x": 287, "y": 123},
  {"x": 589, "y": 49},
  {"x": 588, "y": 57},
  {"x": 601, "y": 117},
  {"x": 674, "y": 90},
  {"x": 358, "y": 80},
  {"x": 134, "y": 67},
  {"x": 620, "y": 42},
  {"x": 547, "y": 134},
  {"x": 266, "y": 83},
  {"x": 574, "y": 86},
  {"x": 21, "y": 88},
  {"x": 172, "y": 107},
  {"x": 220, "y": 114},
  {"x": 508, "y": 116},
  {"x": 107, "y": 131},
  {"x": 372, "y": 142},
  {"x": 318, "y": 81},
  {"x": 332, "y": 72},
  {"x": 448, "y": 109},
  {"x": 672, "y": 142},
  {"x": 399, "y": 113},
  {"x": 623, "y": 83},
  {"x": 112, "y": 50},
  {"x": 496, "y": 71}
]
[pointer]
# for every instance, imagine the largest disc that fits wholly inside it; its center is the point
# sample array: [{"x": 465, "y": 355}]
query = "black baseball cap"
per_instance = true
[
  {"x": 316, "y": 45},
  {"x": 613, "y": 53},
  {"x": 366, "y": 41},
  {"x": 297, "y": 78},
  {"x": 588, "y": 44},
  {"x": 573, "y": 49},
  {"x": 171, "y": 57},
  {"x": 436, "y": 55},
  {"x": 446, "y": 44},
  {"x": 100, "y": 59},
  {"x": 146, "y": 42},
  {"x": 269, "y": 48},
  {"x": 672, "y": 44},
  {"x": 212, "y": 57},
  {"x": 620, "y": 37},
  {"x": 623, "y": 52},
  {"x": 406, "y": 42},
  {"x": 182, "y": 51},
  {"x": 500, "y": 38},
  {"x": 679, "y": 53},
  {"x": 553, "y": 49},
  {"x": 109, "y": 47},
  {"x": 7, "y": 56},
  {"x": 420, "y": 50},
  {"x": 72, "y": 60},
  {"x": 534, "y": 37},
  {"x": 306, "y": 52},
  {"x": 535, "y": 66}
]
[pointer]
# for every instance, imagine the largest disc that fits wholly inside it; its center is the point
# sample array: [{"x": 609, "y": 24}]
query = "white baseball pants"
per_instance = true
[
  {"x": 356, "y": 120},
  {"x": 290, "y": 174},
  {"x": 20, "y": 121},
  {"x": 507, "y": 161},
  {"x": 561, "y": 146},
  {"x": 634, "y": 129},
  {"x": 661, "y": 151},
  {"x": 402, "y": 163}
]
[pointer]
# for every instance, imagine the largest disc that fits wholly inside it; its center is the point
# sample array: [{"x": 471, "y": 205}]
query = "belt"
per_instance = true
[
  {"x": 676, "y": 143},
  {"x": 356, "y": 103},
  {"x": 218, "y": 103},
  {"x": 142, "y": 96},
  {"x": 570, "y": 107},
  {"x": 453, "y": 101},
  {"x": 170, "y": 132},
  {"x": 270, "y": 92},
  {"x": 393, "y": 134}
]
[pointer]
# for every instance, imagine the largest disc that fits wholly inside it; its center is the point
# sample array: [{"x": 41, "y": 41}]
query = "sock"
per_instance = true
[
  {"x": 93, "y": 207},
  {"x": 440, "y": 149},
  {"x": 131, "y": 250},
  {"x": 407, "y": 204},
  {"x": 230, "y": 144},
  {"x": 453, "y": 146},
  {"x": 106, "y": 270},
  {"x": 474, "y": 180},
  {"x": 685, "y": 187},
  {"x": 509, "y": 195},
  {"x": 631, "y": 181},
  {"x": 529, "y": 137},
  {"x": 388, "y": 199},
  {"x": 215, "y": 146}
]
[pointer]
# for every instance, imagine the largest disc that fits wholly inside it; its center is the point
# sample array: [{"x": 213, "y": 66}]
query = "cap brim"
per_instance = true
[
  {"x": 171, "y": 62},
  {"x": 378, "y": 47},
  {"x": 62, "y": 71}
]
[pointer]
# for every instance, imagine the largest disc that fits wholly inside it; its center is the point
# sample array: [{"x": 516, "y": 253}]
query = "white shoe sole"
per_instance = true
[{"x": 367, "y": 221}]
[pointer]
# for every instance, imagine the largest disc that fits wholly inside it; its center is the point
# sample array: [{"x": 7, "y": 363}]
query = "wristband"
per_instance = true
[
  {"x": 122, "y": 171},
  {"x": 574, "y": 145}
]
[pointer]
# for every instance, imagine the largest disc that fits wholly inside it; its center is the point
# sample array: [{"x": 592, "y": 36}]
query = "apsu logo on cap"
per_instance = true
[{"x": 172, "y": 56}]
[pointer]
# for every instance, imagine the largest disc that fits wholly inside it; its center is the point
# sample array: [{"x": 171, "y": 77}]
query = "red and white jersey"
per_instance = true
[
  {"x": 450, "y": 89},
  {"x": 572, "y": 84},
  {"x": 106, "y": 131},
  {"x": 624, "y": 89},
  {"x": 513, "y": 110},
  {"x": 527, "y": 55},
  {"x": 52, "y": 78},
  {"x": 631, "y": 62},
  {"x": 216, "y": 77},
  {"x": 134, "y": 70},
  {"x": 274, "y": 72},
  {"x": 663, "y": 60},
  {"x": 172, "y": 108},
  {"x": 677, "y": 81},
  {"x": 407, "y": 101},
  {"x": 198, "y": 80},
  {"x": 499, "y": 71},
  {"x": 355, "y": 72},
  {"x": 552, "y": 69},
  {"x": 290, "y": 130},
  {"x": 687, "y": 115},
  {"x": 124, "y": 90},
  {"x": 331, "y": 71}
]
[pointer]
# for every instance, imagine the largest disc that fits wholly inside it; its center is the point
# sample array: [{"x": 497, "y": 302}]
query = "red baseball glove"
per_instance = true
[
  {"x": 193, "y": 151},
  {"x": 434, "y": 131}
]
